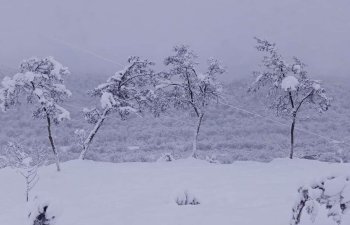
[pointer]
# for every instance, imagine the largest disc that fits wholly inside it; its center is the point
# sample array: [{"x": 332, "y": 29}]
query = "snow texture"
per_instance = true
[
  {"x": 244, "y": 193},
  {"x": 107, "y": 100},
  {"x": 329, "y": 192},
  {"x": 289, "y": 83}
]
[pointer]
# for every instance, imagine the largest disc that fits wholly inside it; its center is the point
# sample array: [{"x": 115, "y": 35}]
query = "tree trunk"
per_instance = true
[
  {"x": 92, "y": 134},
  {"x": 292, "y": 138},
  {"x": 57, "y": 160},
  {"x": 27, "y": 192},
  {"x": 195, "y": 139}
]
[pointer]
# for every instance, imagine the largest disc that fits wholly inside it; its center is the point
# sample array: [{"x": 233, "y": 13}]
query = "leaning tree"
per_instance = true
[
  {"x": 288, "y": 86},
  {"x": 129, "y": 91},
  {"x": 188, "y": 89},
  {"x": 41, "y": 83}
]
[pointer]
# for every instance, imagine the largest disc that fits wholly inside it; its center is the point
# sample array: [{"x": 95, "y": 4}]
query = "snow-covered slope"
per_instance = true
[{"x": 93, "y": 193}]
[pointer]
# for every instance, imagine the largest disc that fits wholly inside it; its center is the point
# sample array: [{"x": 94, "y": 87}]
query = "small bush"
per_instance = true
[
  {"x": 166, "y": 157},
  {"x": 212, "y": 159},
  {"x": 186, "y": 198},
  {"x": 42, "y": 213}
]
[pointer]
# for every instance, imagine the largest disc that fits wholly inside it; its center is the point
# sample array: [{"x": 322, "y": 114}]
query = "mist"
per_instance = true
[{"x": 97, "y": 36}]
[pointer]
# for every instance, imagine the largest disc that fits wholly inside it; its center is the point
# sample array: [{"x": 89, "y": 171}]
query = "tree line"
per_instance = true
[{"x": 139, "y": 89}]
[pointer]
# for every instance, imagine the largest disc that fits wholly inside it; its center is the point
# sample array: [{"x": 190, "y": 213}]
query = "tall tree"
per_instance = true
[
  {"x": 41, "y": 82},
  {"x": 188, "y": 89},
  {"x": 288, "y": 86}
]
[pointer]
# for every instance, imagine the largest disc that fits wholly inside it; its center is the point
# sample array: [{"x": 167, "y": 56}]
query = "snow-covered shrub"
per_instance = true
[
  {"x": 212, "y": 159},
  {"x": 186, "y": 198},
  {"x": 342, "y": 154},
  {"x": 43, "y": 212},
  {"x": 289, "y": 88},
  {"x": 331, "y": 192},
  {"x": 186, "y": 88},
  {"x": 166, "y": 157},
  {"x": 41, "y": 83}
]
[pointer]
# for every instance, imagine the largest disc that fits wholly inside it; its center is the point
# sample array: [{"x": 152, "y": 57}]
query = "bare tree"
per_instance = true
[
  {"x": 41, "y": 82},
  {"x": 128, "y": 91},
  {"x": 288, "y": 86},
  {"x": 188, "y": 89},
  {"x": 24, "y": 163}
]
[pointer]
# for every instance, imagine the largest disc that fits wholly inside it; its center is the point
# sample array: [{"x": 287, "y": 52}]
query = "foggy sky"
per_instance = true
[{"x": 317, "y": 31}]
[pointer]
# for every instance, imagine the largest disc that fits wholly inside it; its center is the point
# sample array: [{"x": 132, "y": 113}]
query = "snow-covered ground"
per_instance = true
[{"x": 94, "y": 193}]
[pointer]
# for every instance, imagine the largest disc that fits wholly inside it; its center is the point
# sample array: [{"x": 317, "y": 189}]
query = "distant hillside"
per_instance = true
[{"x": 227, "y": 133}]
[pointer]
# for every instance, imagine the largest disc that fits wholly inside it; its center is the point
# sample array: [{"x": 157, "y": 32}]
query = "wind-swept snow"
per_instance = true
[{"x": 92, "y": 193}]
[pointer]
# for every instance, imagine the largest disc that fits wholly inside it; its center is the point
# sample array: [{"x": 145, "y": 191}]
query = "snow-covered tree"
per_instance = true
[
  {"x": 289, "y": 88},
  {"x": 128, "y": 91},
  {"x": 331, "y": 192},
  {"x": 41, "y": 83},
  {"x": 24, "y": 164},
  {"x": 188, "y": 89}
]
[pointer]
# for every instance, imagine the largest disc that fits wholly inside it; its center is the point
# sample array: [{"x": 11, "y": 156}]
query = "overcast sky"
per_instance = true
[{"x": 317, "y": 31}]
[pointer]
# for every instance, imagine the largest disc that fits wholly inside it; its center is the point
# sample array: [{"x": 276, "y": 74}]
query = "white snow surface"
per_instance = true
[
  {"x": 91, "y": 193},
  {"x": 289, "y": 83},
  {"x": 334, "y": 186}
]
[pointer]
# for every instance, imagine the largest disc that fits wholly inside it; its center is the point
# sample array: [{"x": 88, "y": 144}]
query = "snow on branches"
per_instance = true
[
  {"x": 188, "y": 89},
  {"x": 288, "y": 85},
  {"x": 41, "y": 82},
  {"x": 332, "y": 192},
  {"x": 128, "y": 91}
]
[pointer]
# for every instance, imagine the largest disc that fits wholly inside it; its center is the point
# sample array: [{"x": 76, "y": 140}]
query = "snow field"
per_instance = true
[{"x": 244, "y": 193}]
